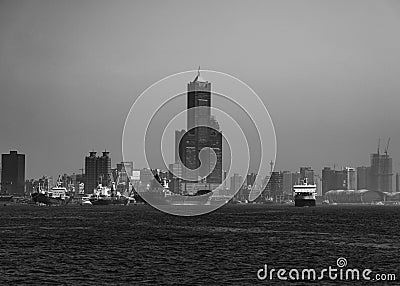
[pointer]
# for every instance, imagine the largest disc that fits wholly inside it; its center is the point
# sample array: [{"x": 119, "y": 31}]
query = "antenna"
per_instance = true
[{"x": 272, "y": 166}]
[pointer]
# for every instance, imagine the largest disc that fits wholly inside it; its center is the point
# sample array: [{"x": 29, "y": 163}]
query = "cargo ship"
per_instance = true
[
  {"x": 54, "y": 196},
  {"x": 304, "y": 194},
  {"x": 201, "y": 197},
  {"x": 107, "y": 196}
]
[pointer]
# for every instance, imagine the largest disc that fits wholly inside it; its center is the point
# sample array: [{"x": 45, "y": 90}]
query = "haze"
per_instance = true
[{"x": 328, "y": 72}]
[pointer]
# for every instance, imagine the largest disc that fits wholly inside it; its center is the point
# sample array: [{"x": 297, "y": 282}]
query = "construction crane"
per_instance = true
[
  {"x": 379, "y": 143},
  {"x": 387, "y": 147}
]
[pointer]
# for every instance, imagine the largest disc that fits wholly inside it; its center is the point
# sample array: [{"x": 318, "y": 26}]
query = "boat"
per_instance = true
[
  {"x": 201, "y": 197},
  {"x": 304, "y": 194},
  {"x": 104, "y": 195},
  {"x": 155, "y": 196},
  {"x": 6, "y": 198},
  {"x": 55, "y": 196}
]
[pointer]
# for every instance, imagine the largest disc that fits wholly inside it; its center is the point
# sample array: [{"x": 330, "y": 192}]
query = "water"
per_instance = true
[{"x": 137, "y": 245}]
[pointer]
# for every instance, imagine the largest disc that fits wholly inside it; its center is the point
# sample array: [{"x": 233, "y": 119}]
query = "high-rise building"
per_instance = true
[
  {"x": 276, "y": 183},
  {"x": 13, "y": 173},
  {"x": 287, "y": 182},
  {"x": 381, "y": 172},
  {"x": 175, "y": 174},
  {"x": 178, "y": 136},
  {"x": 251, "y": 179},
  {"x": 97, "y": 171},
  {"x": 90, "y": 172},
  {"x": 351, "y": 178},
  {"x": 363, "y": 178},
  {"x": 397, "y": 183},
  {"x": 236, "y": 183},
  {"x": 201, "y": 134},
  {"x": 125, "y": 167},
  {"x": 295, "y": 178}
]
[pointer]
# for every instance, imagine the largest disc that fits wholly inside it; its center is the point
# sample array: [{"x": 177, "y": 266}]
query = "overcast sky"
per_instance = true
[{"x": 328, "y": 72}]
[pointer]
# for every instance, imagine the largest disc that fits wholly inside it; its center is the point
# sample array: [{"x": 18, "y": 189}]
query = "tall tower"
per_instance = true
[
  {"x": 198, "y": 94},
  {"x": 13, "y": 173},
  {"x": 381, "y": 172},
  {"x": 202, "y": 133},
  {"x": 97, "y": 170},
  {"x": 90, "y": 172}
]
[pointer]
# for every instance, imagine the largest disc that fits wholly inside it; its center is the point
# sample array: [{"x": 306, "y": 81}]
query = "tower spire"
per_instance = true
[{"x": 198, "y": 77}]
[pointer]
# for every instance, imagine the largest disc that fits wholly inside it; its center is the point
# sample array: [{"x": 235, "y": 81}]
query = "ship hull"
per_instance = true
[
  {"x": 109, "y": 201},
  {"x": 189, "y": 200},
  {"x": 6, "y": 198},
  {"x": 304, "y": 202},
  {"x": 43, "y": 199},
  {"x": 154, "y": 197}
]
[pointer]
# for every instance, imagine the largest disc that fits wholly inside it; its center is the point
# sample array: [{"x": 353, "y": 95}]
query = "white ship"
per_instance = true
[{"x": 304, "y": 194}]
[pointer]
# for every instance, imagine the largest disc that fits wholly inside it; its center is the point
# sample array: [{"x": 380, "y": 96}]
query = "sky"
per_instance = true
[{"x": 327, "y": 71}]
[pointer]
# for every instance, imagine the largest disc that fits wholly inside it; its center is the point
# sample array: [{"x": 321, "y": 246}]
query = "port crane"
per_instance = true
[{"x": 387, "y": 146}]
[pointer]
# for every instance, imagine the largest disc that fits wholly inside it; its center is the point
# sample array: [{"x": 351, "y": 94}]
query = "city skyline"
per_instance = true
[{"x": 67, "y": 77}]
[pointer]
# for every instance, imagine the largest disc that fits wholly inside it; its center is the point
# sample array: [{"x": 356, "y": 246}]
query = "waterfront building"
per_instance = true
[
  {"x": 363, "y": 178},
  {"x": 381, "y": 172},
  {"x": 236, "y": 183},
  {"x": 175, "y": 175},
  {"x": 287, "y": 182},
  {"x": 295, "y": 178},
  {"x": 344, "y": 179},
  {"x": 351, "y": 178},
  {"x": 13, "y": 173},
  {"x": 146, "y": 176},
  {"x": 97, "y": 171},
  {"x": 251, "y": 179},
  {"x": 307, "y": 172}
]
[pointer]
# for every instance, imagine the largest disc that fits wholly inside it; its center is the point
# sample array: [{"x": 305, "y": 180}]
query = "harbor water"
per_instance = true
[{"x": 138, "y": 245}]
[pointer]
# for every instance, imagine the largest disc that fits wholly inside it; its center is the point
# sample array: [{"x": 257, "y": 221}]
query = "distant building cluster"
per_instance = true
[{"x": 376, "y": 177}]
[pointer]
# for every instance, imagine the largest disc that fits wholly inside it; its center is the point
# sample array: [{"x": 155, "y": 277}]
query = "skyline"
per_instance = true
[{"x": 70, "y": 71}]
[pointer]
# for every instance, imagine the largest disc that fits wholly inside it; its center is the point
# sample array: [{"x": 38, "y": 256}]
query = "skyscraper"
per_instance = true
[
  {"x": 381, "y": 172},
  {"x": 13, "y": 173},
  {"x": 363, "y": 178},
  {"x": 97, "y": 170},
  {"x": 287, "y": 182},
  {"x": 202, "y": 133}
]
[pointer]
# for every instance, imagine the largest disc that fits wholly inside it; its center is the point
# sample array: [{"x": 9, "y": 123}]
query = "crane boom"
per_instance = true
[
  {"x": 387, "y": 146},
  {"x": 379, "y": 143}
]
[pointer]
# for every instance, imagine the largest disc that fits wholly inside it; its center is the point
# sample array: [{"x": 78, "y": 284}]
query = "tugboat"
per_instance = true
[{"x": 304, "y": 194}]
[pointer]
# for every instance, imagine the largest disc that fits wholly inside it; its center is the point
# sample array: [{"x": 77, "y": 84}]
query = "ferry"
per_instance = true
[{"x": 304, "y": 194}]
